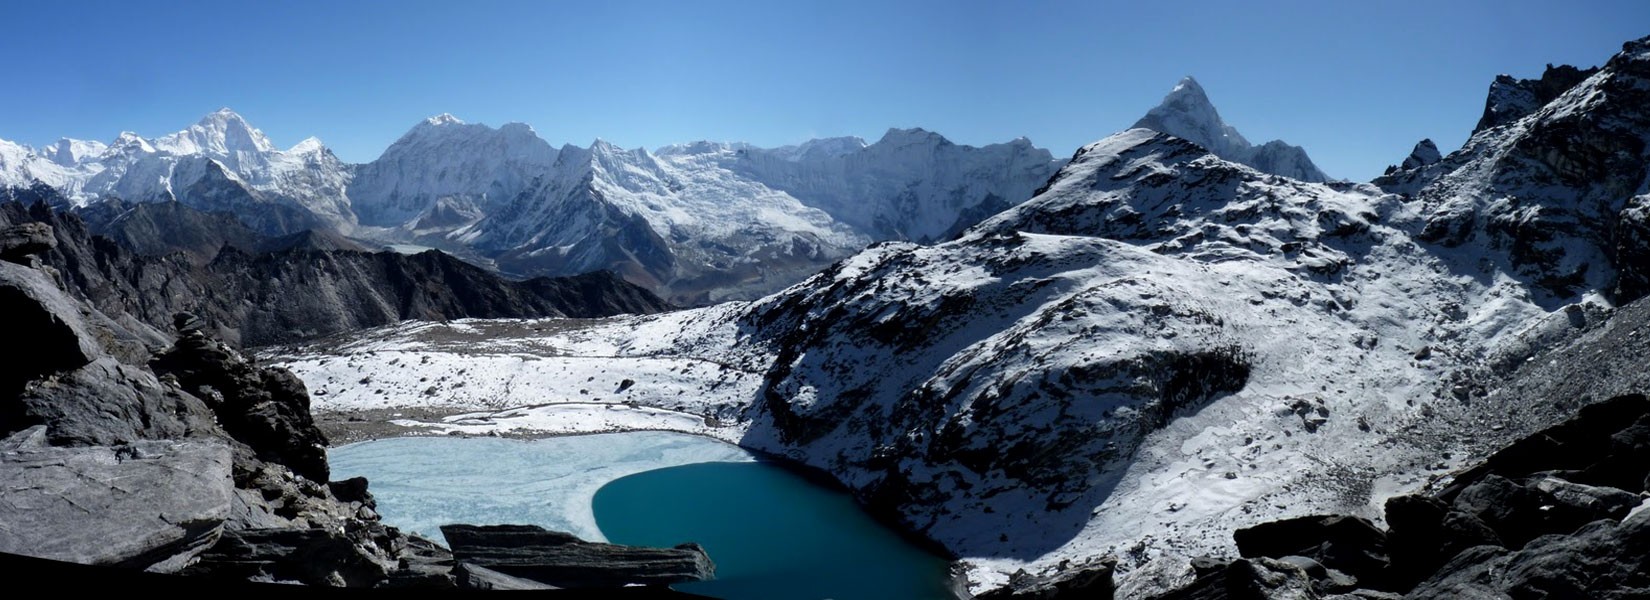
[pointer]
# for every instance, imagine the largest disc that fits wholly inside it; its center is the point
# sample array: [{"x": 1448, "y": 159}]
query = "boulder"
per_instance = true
[
  {"x": 57, "y": 336},
  {"x": 1091, "y": 581},
  {"x": 1520, "y": 512},
  {"x": 1423, "y": 533},
  {"x": 1605, "y": 560},
  {"x": 19, "y": 242},
  {"x": 149, "y": 504},
  {"x": 266, "y": 409},
  {"x": 1578, "y": 443},
  {"x": 312, "y": 556},
  {"x": 563, "y": 560},
  {"x": 1351, "y": 545},
  {"x": 473, "y": 577},
  {"x": 1250, "y": 579},
  {"x": 105, "y": 403}
]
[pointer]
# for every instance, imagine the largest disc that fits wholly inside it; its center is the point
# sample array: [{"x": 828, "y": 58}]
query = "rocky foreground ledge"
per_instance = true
[
  {"x": 191, "y": 459},
  {"x": 1557, "y": 515}
]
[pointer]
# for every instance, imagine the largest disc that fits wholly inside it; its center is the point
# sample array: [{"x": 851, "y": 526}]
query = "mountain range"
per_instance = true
[
  {"x": 698, "y": 222},
  {"x": 1164, "y": 344}
]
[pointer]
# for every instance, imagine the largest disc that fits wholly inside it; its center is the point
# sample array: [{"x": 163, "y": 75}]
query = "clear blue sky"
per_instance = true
[{"x": 1355, "y": 83}]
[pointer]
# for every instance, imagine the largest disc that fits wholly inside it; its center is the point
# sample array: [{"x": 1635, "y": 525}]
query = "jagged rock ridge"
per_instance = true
[{"x": 301, "y": 287}]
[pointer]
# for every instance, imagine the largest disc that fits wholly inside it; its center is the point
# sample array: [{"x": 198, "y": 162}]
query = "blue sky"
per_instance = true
[{"x": 1355, "y": 83}]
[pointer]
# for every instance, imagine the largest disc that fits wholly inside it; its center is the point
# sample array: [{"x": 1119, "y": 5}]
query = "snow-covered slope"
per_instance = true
[
  {"x": 221, "y": 163},
  {"x": 1187, "y": 113},
  {"x": 1558, "y": 192},
  {"x": 1159, "y": 348},
  {"x": 444, "y": 164}
]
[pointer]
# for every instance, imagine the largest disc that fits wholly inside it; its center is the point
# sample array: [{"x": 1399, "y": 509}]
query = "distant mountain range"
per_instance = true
[{"x": 697, "y": 222}]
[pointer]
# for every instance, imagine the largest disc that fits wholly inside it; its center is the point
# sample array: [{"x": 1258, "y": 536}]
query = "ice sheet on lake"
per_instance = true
[{"x": 423, "y": 483}]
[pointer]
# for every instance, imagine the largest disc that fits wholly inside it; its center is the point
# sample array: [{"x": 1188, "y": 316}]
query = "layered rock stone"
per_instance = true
[{"x": 563, "y": 560}]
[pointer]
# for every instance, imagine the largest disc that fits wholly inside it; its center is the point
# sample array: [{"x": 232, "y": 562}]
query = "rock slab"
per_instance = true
[
  {"x": 563, "y": 560},
  {"x": 150, "y": 504}
]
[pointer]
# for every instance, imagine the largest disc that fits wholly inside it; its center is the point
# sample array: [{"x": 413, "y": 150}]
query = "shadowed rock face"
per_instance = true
[
  {"x": 564, "y": 560},
  {"x": 305, "y": 288}
]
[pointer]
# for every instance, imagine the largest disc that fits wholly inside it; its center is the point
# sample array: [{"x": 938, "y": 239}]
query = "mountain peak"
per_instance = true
[
  {"x": 220, "y": 133},
  {"x": 914, "y": 135},
  {"x": 309, "y": 145},
  {"x": 1187, "y": 113},
  {"x": 444, "y": 119}
]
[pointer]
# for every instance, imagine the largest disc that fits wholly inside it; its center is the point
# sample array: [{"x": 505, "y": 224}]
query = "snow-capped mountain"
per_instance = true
[
  {"x": 1160, "y": 347},
  {"x": 1188, "y": 114},
  {"x": 446, "y": 173},
  {"x": 709, "y": 221},
  {"x": 911, "y": 184},
  {"x": 678, "y": 224},
  {"x": 698, "y": 222},
  {"x": 221, "y": 163}
]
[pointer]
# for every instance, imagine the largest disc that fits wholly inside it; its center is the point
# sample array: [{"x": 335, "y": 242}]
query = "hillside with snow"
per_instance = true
[{"x": 1162, "y": 346}]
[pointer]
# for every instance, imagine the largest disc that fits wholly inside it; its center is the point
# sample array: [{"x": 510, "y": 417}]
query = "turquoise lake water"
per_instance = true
[{"x": 772, "y": 533}]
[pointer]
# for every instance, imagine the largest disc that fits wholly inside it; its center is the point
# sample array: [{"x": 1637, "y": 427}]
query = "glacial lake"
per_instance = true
[{"x": 771, "y": 532}]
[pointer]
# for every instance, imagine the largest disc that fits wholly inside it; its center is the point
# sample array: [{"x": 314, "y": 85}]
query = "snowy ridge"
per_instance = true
[
  {"x": 1187, "y": 113},
  {"x": 1165, "y": 345},
  {"x": 713, "y": 221},
  {"x": 220, "y": 163},
  {"x": 684, "y": 232},
  {"x": 699, "y": 222}
]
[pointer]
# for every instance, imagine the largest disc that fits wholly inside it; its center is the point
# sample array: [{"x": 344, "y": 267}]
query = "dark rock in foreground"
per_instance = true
[
  {"x": 148, "y": 505},
  {"x": 19, "y": 242},
  {"x": 308, "y": 556},
  {"x": 1092, "y": 581},
  {"x": 563, "y": 560},
  {"x": 1559, "y": 514}
]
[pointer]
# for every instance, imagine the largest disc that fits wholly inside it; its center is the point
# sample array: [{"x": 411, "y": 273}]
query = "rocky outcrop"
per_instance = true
[
  {"x": 146, "y": 505},
  {"x": 1558, "y": 514},
  {"x": 1424, "y": 154},
  {"x": 42, "y": 314},
  {"x": 312, "y": 556},
  {"x": 1092, "y": 581},
  {"x": 302, "y": 287},
  {"x": 197, "y": 459},
  {"x": 265, "y": 408},
  {"x": 563, "y": 560},
  {"x": 21, "y": 241},
  {"x": 1510, "y": 98},
  {"x": 1546, "y": 185}
]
